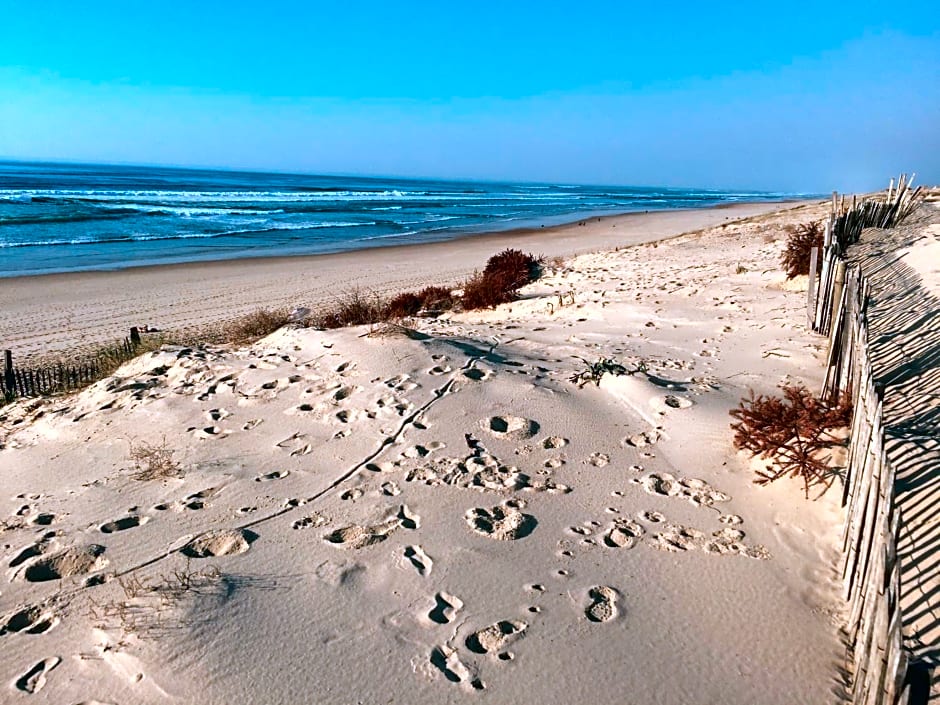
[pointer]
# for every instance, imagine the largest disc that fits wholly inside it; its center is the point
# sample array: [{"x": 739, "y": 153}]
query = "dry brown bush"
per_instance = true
[
  {"x": 794, "y": 431},
  {"x": 514, "y": 268},
  {"x": 802, "y": 239},
  {"x": 354, "y": 308},
  {"x": 405, "y": 304},
  {"x": 437, "y": 298},
  {"x": 254, "y": 325},
  {"x": 432, "y": 299},
  {"x": 482, "y": 291},
  {"x": 505, "y": 273},
  {"x": 154, "y": 461}
]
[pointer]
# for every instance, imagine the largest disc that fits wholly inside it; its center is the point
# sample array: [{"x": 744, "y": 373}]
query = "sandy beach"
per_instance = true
[
  {"x": 440, "y": 515},
  {"x": 46, "y": 314}
]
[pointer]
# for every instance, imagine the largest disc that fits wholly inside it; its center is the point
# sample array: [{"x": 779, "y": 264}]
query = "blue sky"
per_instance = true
[{"x": 784, "y": 96}]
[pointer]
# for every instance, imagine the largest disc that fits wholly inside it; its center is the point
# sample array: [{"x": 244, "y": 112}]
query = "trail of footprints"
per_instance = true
[{"x": 477, "y": 469}]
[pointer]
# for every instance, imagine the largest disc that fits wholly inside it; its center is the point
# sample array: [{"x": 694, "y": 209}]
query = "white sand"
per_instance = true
[
  {"x": 442, "y": 519},
  {"x": 924, "y": 258}
]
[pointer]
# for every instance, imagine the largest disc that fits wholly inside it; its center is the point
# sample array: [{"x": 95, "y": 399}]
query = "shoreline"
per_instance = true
[
  {"x": 48, "y": 313},
  {"x": 515, "y": 231}
]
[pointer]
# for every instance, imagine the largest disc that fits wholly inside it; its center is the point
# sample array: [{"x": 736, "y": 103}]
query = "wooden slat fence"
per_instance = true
[
  {"x": 44, "y": 380},
  {"x": 871, "y": 572}
]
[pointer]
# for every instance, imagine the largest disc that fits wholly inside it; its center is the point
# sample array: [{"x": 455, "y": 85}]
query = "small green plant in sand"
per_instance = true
[
  {"x": 796, "y": 431},
  {"x": 154, "y": 461}
]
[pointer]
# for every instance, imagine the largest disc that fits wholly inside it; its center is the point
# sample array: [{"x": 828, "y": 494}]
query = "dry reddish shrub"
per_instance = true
[
  {"x": 482, "y": 291},
  {"x": 793, "y": 431},
  {"x": 801, "y": 241},
  {"x": 514, "y": 267},
  {"x": 409, "y": 303},
  {"x": 505, "y": 273},
  {"x": 437, "y": 298}
]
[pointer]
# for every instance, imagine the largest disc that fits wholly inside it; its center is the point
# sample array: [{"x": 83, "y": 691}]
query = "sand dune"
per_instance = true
[{"x": 339, "y": 517}]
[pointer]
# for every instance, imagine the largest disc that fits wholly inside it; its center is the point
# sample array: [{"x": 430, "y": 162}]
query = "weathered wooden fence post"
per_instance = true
[
  {"x": 135, "y": 336},
  {"x": 811, "y": 288},
  {"x": 9, "y": 381}
]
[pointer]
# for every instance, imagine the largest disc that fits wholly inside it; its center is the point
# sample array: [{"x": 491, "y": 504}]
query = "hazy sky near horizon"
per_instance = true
[{"x": 793, "y": 97}]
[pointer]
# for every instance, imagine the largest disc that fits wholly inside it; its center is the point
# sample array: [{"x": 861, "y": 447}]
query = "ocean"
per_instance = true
[{"x": 71, "y": 217}]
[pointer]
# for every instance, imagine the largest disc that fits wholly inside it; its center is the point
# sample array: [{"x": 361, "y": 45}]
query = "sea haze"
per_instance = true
[{"x": 68, "y": 217}]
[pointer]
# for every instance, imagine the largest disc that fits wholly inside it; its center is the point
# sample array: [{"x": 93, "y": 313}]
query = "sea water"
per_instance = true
[{"x": 69, "y": 217}]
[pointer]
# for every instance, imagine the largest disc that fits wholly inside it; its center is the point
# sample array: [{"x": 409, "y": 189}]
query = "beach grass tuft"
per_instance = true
[
  {"x": 255, "y": 325},
  {"x": 354, "y": 308}
]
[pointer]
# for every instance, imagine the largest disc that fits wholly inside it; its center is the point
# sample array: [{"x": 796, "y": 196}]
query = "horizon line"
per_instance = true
[{"x": 275, "y": 172}]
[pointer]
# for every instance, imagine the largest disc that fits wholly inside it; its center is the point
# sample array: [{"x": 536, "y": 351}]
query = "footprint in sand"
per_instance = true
[
  {"x": 420, "y": 451},
  {"x": 355, "y": 536},
  {"x": 700, "y": 493},
  {"x": 477, "y": 375},
  {"x": 446, "y": 607},
  {"x": 35, "y": 678},
  {"x": 123, "y": 524},
  {"x": 351, "y": 494},
  {"x": 197, "y": 500},
  {"x": 276, "y": 475},
  {"x": 652, "y": 516},
  {"x": 210, "y": 432},
  {"x": 218, "y": 414},
  {"x": 599, "y": 460},
  {"x": 75, "y": 560},
  {"x": 624, "y": 534},
  {"x": 553, "y": 442},
  {"x": 391, "y": 489},
  {"x": 641, "y": 440},
  {"x": 31, "y": 551},
  {"x": 513, "y": 428},
  {"x": 662, "y": 484},
  {"x": 676, "y": 537},
  {"x": 419, "y": 559},
  {"x": 222, "y": 542},
  {"x": 503, "y": 523},
  {"x": 603, "y": 605},
  {"x": 342, "y": 393},
  {"x": 313, "y": 520},
  {"x": 408, "y": 519},
  {"x": 496, "y": 636},
  {"x": 32, "y": 619},
  {"x": 446, "y": 660},
  {"x": 440, "y": 370},
  {"x": 400, "y": 383}
]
